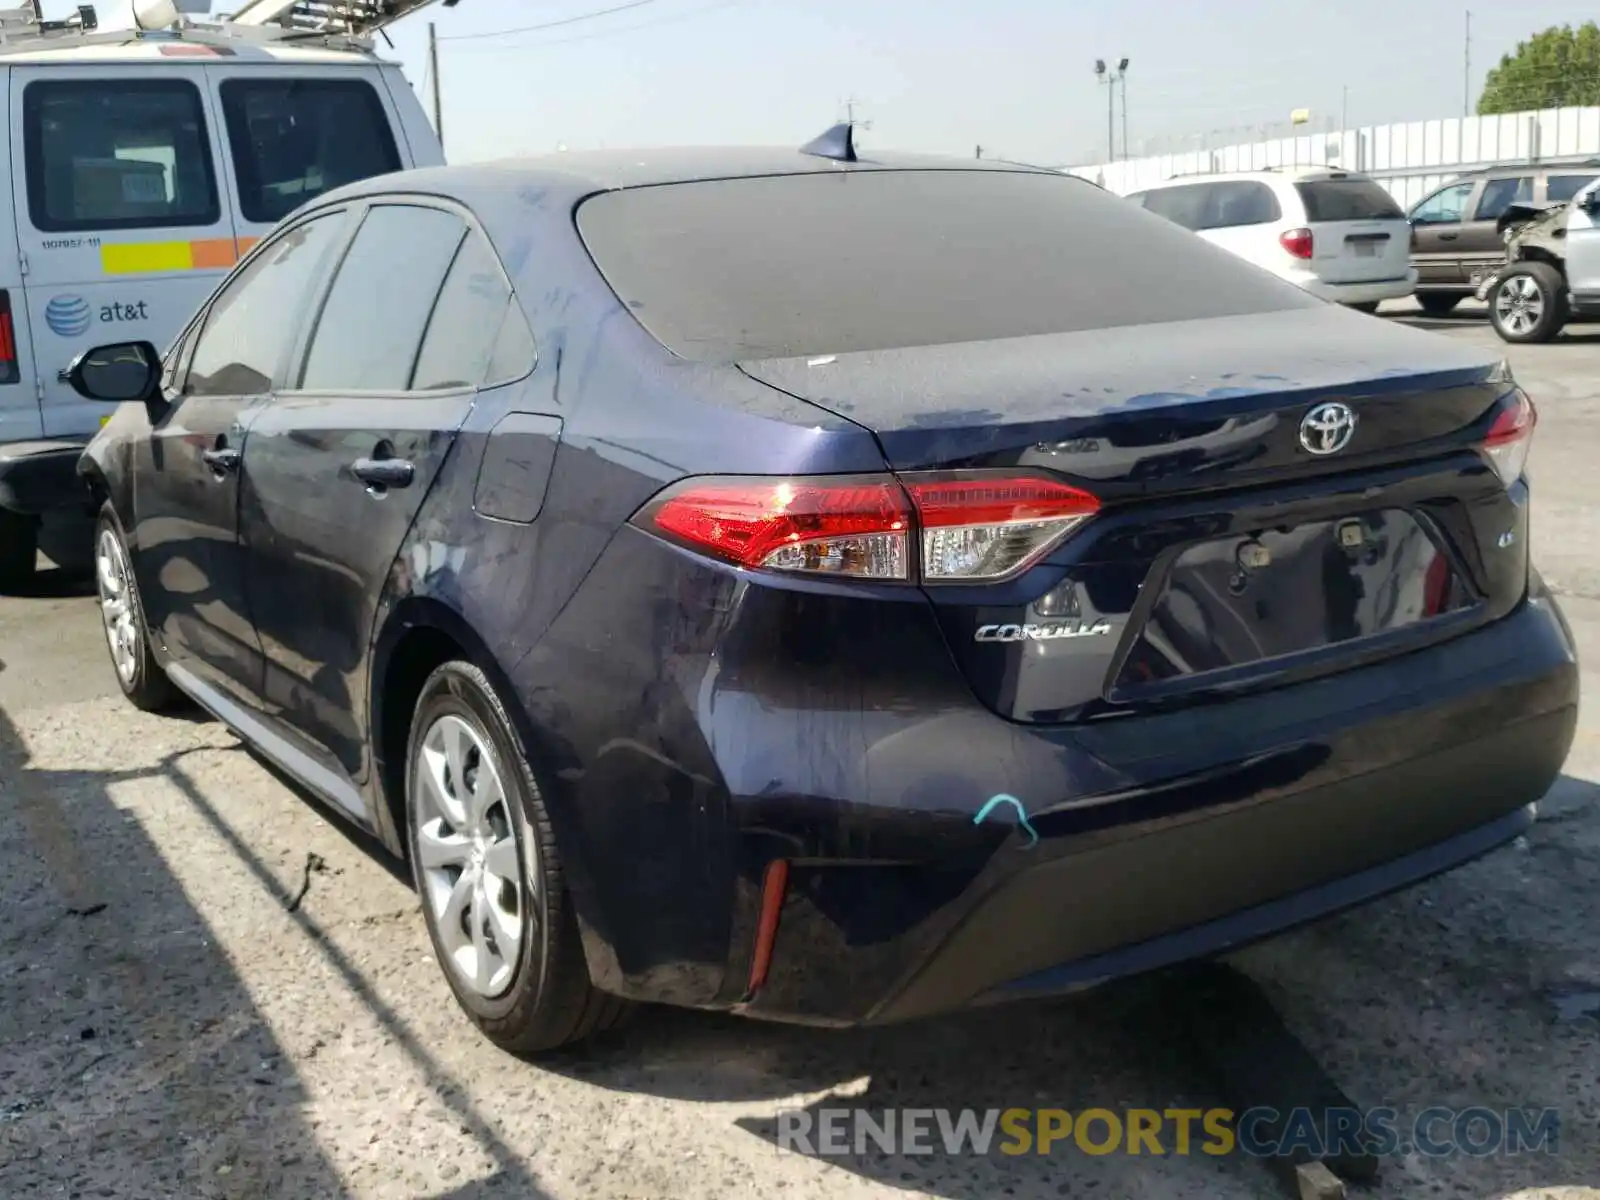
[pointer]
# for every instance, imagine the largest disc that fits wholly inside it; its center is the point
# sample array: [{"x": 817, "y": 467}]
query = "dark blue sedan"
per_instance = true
[{"x": 829, "y": 590}]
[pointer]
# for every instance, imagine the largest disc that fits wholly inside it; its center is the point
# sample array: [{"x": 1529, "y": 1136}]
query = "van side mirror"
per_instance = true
[{"x": 118, "y": 373}]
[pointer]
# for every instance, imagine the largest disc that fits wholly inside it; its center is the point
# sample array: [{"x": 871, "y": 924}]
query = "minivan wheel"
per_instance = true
[
  {"x": 1529, "y": 303},
  {"x": 490, "y": 878},
  {"x": 1438, "y": 304},
  {"x": 19, "y": 551},
  {"x": 139, "y": 675},
  {"x": 1370, "y": 307}
]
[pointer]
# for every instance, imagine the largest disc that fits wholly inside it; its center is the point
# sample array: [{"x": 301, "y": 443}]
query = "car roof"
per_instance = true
[
  {"x": 1274, "y": 175},
  {"x": 568, "y": 177}
]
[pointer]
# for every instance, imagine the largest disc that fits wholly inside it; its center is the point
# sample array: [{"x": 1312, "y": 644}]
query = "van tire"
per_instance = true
[
  {"x": 1530, "y": 283},
  {"x": 1438, "y": 304},
  {"x": 19, "y": 551},
  {"x": 1370, "y": 307}
]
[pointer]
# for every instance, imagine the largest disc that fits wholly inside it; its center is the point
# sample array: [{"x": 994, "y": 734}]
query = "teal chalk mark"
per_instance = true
[{"x": 1022, "y": 815}]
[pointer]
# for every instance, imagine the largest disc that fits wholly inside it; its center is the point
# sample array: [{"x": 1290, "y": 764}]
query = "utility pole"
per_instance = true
[
  {"x": 433, "y": 78},
  {"x": 977, "y": 152},
  {"x": 1466, "y": 74}
]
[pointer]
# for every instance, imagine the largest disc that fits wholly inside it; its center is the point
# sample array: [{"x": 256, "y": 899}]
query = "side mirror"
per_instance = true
[
  {"x": 1589, "y": 201},
  {"x": 118, "y": 373}
]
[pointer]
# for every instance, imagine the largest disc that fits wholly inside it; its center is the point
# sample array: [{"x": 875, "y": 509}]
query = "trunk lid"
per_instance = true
[{"x": 1226, "y": 556}]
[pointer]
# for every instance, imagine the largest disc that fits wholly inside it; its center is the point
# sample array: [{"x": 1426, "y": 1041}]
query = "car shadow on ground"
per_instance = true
[{"x": 133, "y": 1061}]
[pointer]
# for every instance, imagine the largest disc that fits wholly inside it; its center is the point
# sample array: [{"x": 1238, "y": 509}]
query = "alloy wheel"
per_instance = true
[
  {"x": 470, "y": 863},
  {"x": 1519, "y": 304},
  {"x": 117, "y": 608}
]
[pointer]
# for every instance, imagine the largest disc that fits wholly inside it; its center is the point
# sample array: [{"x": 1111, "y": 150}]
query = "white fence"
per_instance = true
[{"x": 1410, "y": 158}]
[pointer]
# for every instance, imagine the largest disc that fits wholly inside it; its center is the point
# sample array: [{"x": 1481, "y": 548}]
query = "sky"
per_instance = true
[{"x": 947, "y": 76}]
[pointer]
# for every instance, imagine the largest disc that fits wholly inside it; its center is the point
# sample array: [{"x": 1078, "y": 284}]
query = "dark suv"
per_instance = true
[{"x": 1454, "y": 240}]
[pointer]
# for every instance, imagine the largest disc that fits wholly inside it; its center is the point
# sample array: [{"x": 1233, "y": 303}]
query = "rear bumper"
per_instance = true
[
  {"x": 1436, "y": 759},
  {"x": 1359, "y": 293},
  {"x": 708, "y": 727},
  {"x": 41, "y": 477}
]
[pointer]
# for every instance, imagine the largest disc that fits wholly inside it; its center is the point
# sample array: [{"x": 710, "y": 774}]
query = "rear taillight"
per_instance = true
[
  {"x": 1510, "y": 438},
  {"x": 1298, "y": 242},
  {"x": 10, "y": 369},
  {"x": 965, "y": 527}
]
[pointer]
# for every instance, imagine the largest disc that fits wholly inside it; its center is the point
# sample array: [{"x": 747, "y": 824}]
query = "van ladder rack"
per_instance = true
[{"x": 354, "y": 18}]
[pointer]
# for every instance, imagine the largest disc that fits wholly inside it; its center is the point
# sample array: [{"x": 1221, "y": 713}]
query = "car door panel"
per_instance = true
[
  {"x": 1583, "y": 247},
  {"x": 185, "y": 502},
  {"x": 1436, "y": 234},
  {"x": 337, "y": 472}
]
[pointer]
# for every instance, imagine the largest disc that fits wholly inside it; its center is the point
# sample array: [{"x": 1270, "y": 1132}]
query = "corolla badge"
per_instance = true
[
  {"x": 1047, "y": 632},
  {"x": 67, "y": 316},
  {"x": 1328, "y": 428}
]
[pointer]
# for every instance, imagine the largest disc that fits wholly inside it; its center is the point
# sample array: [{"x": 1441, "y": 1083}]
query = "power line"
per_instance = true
[
  {"x": 586, "y": 16},
  {"x": 606, "y": 33}
]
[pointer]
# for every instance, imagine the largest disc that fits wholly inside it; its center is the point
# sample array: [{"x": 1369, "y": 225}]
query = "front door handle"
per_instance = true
[
  {"x": 1448, "y": 237},
  {"x": 383, "y": 472},
  {"x": 222, "y": 460}
]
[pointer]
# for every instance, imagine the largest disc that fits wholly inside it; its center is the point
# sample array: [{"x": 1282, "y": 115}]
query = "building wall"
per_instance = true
[{"x": 1410, "y": 158}]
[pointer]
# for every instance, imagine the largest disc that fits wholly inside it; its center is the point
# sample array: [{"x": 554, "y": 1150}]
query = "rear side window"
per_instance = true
[
  {"x": 724, "y": 270},
  {"x": 294, "y": 139},
  {"x": 117, "y": 154},
  {"x": 474, "y": 315},
  {"x": 1241, "y": 202},
  {"x": 1501, "y": 194},
  {"x": 1564, "y": 187},
  {"x": 1347, "y": 200},
  {"x": 371, "y": 326}
]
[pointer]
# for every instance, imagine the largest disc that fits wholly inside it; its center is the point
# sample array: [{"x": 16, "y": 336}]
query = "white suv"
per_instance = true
[{"x": 1336, "y": 234}]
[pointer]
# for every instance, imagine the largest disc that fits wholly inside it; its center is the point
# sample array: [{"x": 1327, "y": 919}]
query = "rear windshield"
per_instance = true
[
  {"x": 873, "y": 260},
  {"x": 1348, "y": 200}
]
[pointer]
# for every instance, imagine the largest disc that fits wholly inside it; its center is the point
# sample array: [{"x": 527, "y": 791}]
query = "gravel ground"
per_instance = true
[{"x": 174, "y": 1024}]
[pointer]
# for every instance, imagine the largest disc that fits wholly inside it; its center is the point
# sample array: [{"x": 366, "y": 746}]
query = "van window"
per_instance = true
[
  {"x": 1241, "y": 202},
  {"x": 117, "y": 154},
  {"x": 1184, "y": 205},
  {"x": 294, "y": 139},
  {"x": 1347, "y": 200}
]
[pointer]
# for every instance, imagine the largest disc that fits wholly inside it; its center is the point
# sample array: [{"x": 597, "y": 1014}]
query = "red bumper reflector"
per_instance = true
[{"x": 774, "y": 887}]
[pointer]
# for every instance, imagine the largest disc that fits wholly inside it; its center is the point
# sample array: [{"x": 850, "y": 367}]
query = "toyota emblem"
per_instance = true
[{"x": 1328, "y": 428}]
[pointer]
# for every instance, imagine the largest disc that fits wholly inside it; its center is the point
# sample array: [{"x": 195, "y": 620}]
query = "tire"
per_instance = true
[
  {"x": 539, "y": 997},
  {"x": 1529, "y": 303},
  {"x": 1438, "y": 304},
  {"x": 1370, "y": 307},
  {"x": 133, "y": 659},
  {"x": 19, "y": 551}
]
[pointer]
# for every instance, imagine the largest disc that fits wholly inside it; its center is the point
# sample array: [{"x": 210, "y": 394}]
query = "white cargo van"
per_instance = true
[{"x": 142, "y": 164}]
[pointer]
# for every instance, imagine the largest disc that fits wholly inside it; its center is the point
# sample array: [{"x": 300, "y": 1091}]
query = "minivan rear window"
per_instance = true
[
  {"x": 843, "y": 261},
  {"x": 1347, "y": 200},
  {"x": 294, "y": 139},
  {"x": 117, "y": 154}
]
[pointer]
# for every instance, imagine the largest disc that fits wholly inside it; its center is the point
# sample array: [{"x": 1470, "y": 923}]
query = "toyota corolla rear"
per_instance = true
[{"x": 1173, "y": 607}]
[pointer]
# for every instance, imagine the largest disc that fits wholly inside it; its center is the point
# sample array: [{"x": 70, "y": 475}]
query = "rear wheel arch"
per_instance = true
[{"x": 420, "y": 635}]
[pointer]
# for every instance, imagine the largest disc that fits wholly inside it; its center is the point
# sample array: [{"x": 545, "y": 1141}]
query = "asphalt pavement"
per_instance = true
[{"x": 208, "y": 989}]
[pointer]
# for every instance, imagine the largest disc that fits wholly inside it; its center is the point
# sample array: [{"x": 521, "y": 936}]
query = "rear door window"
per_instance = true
[
  {"x": 1347, "y": 200},
  {"x": 292, "y": 139},
  {"x": 370, "y": 331},
  {"x": 1501, "y": 194},
  {"x": 1561, "y": 188},
  {"x": 475, "y": 323},
  {"x": 108, "y": 154}
]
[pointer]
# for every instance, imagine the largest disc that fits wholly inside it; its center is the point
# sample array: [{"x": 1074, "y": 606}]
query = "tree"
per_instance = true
[{"x": 1557, "y": 68}]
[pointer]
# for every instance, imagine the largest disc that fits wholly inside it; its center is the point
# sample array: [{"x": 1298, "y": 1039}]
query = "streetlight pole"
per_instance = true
[{"x": 1111, "y": 77}]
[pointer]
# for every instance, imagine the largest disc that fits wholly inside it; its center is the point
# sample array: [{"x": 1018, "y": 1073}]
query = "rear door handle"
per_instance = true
[
  {"x": 1448, "y": 237},
  {"x": 383, "y": 472},
  {"x": 222, "y": 460}
]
